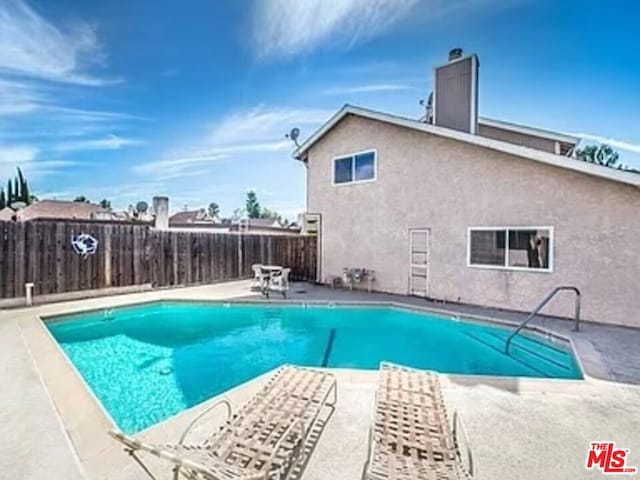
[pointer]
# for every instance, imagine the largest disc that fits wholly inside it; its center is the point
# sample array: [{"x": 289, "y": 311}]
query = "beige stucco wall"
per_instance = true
[{"x": 425, "y": 181}]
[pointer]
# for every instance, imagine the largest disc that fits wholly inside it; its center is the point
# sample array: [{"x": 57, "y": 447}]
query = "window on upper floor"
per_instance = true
[
  {"x": 514, "y": 248},
  {"x": 358, "y": 167}
]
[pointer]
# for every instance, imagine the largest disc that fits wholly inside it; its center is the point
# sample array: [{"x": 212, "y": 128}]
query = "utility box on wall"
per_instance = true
[{"x": 311, "y": 224}]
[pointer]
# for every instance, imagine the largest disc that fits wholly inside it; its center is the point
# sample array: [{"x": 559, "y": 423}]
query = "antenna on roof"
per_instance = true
[{"x": 293, "y": 135}]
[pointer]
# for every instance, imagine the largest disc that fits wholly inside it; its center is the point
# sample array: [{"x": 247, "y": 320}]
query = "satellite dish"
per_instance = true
[{"x": 293, "y": 135}]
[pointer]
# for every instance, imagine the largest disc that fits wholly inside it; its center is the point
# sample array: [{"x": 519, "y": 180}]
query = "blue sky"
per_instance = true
[{"x": 126, "y": 100}]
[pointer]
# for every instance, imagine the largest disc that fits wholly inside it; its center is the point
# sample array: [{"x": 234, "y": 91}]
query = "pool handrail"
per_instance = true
[{"x": 545, "y": 300}]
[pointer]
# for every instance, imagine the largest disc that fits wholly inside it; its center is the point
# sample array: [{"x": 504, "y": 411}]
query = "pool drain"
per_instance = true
[{"x": 166, "y": 370}]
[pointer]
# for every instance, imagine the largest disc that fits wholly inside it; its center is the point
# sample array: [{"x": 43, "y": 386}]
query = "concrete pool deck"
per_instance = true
[{"x": 518, "y": 428}]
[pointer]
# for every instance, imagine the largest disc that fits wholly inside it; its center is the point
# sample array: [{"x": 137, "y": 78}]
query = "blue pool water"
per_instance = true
[{"x": 148, "y": 362}]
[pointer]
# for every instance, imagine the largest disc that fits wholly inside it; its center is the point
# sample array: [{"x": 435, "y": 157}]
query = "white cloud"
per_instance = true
[
  {"x": 110, "y": 142},
  {"x": 187, "y": 165},
  {"x": 26, "y": 157},
  {"x": 16, "y": 98},
  {"x": 289, "y": 27},
  {"x": 616, "y": 143},
  {"x": 17, "y": 154},
  {"x": 91, "y": 115},
  {"x": 33, "y": 47},
  {"x": 259, "y": 130},
  {"x": 370, "y": 88},
  {"x": 261, "y": 123},
  {"x": 173, "y": 167}
]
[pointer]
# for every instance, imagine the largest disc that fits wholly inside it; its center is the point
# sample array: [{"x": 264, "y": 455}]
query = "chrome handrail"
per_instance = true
[{"x": 541, "y": 305}]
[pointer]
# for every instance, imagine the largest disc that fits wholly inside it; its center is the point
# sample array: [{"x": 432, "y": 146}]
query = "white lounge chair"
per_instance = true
[
  {"x": 259, "y": 278},
  {"x": 269, "y": 438},
  {"x": 279, "y": 282},
  {"x": 412, "y": 438}
]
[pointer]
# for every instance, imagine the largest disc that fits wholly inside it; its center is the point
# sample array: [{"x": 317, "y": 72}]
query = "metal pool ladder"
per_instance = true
[{"x": 545, "y": 300}]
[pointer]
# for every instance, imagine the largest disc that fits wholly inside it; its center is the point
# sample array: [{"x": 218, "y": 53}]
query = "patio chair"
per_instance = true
[
  {"x": 259, "y": 278},
  {"x": 411, "y": 437},
  {"x": 279, "y": 282},
  {"x": 269, "y": 438}
]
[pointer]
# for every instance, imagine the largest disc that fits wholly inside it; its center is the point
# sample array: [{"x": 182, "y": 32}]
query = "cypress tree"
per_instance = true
[
  {"x": 9, "y": 193},
  {"x": 24, "y": 188},
  {"x": 3, "y": 200},
  {"x": 16, "y": 190}
]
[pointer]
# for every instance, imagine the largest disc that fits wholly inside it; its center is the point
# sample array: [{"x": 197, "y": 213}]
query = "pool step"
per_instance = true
[
  {"x": 541, "y": 357},
  {"x": 539, "y": 348}
]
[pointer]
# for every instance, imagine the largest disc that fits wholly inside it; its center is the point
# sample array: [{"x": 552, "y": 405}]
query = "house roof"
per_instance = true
[
  {"x": 60, "y": 209},
  {"x": 7, "y": 214},
  {"x": 263, "y": 222},
  {"x": 560, "y": 161},
  {"x": 189, "y": 216}
]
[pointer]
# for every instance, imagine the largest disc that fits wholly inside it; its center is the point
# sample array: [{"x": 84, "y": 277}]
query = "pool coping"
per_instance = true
[{"x": 89, "y": 438}]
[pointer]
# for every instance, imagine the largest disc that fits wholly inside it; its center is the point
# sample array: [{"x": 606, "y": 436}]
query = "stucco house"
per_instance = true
[{"x": 476, "y": 211}]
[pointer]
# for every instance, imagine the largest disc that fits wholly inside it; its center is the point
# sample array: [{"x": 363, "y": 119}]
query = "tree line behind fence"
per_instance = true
[{"x": 131, "y": 254}]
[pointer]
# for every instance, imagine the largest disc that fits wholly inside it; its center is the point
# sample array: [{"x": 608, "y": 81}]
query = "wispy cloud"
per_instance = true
[
  {"x": 258, "y": 130},
  {"x": 616, "y": 143},
  {"x": 92, "y": 115},
  {"x": 16, "y": 154},
  {"x": 17, "y": 98},
  {"x": 33, "y": 47},
  {"x": 110, "y": 142},
  {"x": 289, "y": 27},
  {"x": 262, "y": 123},
  {"x": 370, "y": 88},
  {"x": 43, "y": 67},
  {"x": 26, "y": 157},
  {"x": 169, "y": 72},
  {"x": 175, "y": 167}
]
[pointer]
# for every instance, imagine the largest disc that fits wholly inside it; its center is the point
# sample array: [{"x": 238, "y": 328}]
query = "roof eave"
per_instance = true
[{"x": 498, "y": 145}]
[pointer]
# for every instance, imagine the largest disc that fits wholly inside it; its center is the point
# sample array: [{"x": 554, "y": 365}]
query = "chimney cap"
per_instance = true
[{"x": 455, "y": 53}]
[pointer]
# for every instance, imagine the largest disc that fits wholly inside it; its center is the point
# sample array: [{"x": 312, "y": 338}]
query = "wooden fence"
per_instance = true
[{"x": 130, "y": 254}]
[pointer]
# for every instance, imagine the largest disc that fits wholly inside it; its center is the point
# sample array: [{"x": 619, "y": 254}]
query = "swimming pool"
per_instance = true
[{"x": 148, "y": 362}]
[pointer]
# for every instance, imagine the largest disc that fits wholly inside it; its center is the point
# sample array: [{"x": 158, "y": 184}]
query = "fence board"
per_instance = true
[{"x": 129, "y": 254}]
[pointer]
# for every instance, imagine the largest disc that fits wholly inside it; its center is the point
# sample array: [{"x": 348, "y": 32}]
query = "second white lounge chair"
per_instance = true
[{"x": 412, "y": 438}]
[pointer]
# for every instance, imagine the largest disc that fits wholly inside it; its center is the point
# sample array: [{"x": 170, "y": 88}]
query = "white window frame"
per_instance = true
[
  {"x": 353, "y": 167},
  {"x": 506, "y": 266}
]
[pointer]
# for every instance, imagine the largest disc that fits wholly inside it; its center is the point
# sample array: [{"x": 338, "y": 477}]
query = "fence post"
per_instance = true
[
  {"x": 107, "y": 256},
  {"x": 240, "y": 245}
]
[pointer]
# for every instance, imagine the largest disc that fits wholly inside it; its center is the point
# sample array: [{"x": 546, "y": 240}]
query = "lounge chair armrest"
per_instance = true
[
  {"x": 206, "y": 411},
  {"x": 284, "y": 436},
  {"x": 458, "y": 425}
]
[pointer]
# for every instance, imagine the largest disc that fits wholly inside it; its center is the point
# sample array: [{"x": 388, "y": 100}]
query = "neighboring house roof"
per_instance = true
[
  {"x": 264, "y": 222},
  {"x": 190, "y": 216},
  {"x": 527, "y": 130},
  {"x": 7, "y": 214},
  {"x": 621, "y": 176},
  {"x": 60, "y": 209}
]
